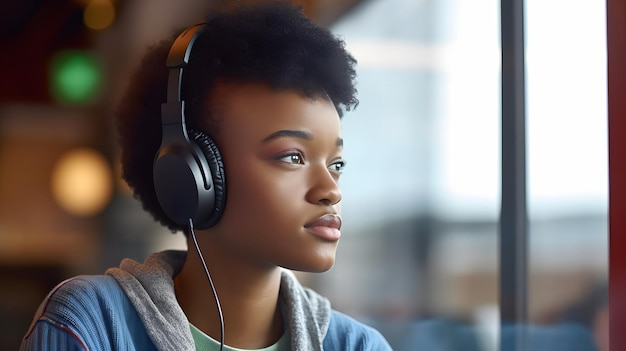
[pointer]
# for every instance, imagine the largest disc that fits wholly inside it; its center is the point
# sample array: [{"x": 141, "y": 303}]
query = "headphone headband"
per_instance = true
[{"x": 178, "y": 57}]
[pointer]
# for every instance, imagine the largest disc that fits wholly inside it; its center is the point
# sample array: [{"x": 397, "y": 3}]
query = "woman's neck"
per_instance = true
[{"x": 248, "y": 297}]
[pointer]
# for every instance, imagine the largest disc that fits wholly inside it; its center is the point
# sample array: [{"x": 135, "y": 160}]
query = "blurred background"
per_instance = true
[{"x": 419, "y": 256}]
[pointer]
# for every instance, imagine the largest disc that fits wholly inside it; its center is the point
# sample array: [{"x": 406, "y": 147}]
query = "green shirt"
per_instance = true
[{"x": 206, "y": 343}]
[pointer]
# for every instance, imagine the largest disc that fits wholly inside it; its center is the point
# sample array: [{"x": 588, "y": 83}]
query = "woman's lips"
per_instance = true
[{"x": 326, "y": 227}]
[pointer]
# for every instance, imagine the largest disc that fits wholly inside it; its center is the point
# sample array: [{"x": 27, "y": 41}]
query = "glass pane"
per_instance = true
[
  {"x": 419, "y": 255},
  {"x": 567, "y": 170}
]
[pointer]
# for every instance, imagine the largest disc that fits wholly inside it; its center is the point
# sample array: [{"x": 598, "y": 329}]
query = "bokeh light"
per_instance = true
[
  {"x": 82, "y": 182},
  {"x": 75, "y": 77},
  {"x": 99, "y": 14}
]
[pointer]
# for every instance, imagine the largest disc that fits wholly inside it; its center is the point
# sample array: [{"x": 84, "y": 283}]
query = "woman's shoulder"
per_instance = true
[
  {"x": 346, "y": 333},
  {"x": 83, "y": 302},
  {"x": 87, "y": 311},
  {"x": 84, "y": 292}
]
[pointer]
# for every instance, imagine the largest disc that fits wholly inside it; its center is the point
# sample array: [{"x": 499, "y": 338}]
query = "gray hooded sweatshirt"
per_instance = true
[{"x": 150, "y": 288}]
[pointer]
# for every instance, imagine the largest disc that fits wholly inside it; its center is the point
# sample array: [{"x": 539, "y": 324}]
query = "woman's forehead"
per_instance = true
[{"x": 265, "y": 108}]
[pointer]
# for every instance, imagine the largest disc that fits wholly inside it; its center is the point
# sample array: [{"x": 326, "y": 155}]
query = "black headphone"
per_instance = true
[{"x": 188, "y": 173}]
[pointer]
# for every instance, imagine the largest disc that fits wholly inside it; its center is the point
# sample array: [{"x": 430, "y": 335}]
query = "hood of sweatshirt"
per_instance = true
[{"x": 150, "y": 288}]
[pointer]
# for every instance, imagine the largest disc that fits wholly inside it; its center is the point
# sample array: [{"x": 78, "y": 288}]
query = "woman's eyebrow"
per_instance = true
[
  {"x": 289, "y": 133},
  {"x": 300, "y": 134}
]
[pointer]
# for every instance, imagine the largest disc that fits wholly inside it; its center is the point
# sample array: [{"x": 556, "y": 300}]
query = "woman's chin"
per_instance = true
[{"x": 317, "y": 265}]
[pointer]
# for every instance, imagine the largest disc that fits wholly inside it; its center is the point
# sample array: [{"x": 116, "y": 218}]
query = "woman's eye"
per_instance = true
[
  {"x": 337, "y": 166},
  {"x": 292, "y": 158}
]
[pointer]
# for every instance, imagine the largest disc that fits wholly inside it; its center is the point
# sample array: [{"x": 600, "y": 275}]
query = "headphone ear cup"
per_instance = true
[{"x": 216, "y": 166}]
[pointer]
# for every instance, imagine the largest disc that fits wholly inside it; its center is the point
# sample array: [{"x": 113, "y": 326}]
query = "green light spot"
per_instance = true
[{"x": 75, "y": 77}]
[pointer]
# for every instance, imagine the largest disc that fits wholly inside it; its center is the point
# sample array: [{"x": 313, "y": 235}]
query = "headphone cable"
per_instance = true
[{"x": 206, "y": 270}]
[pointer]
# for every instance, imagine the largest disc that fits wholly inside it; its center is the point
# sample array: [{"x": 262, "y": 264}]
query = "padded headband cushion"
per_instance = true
[{"x": 216, "y": 165}]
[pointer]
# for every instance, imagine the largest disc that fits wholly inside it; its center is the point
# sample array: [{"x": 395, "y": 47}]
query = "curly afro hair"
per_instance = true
[{"x": 270, "y": 43}]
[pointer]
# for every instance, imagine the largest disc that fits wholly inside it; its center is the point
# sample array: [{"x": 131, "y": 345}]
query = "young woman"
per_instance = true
[{"x": 244, "y": 157}]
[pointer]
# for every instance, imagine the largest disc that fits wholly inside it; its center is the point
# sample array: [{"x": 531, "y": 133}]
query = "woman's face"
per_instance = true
[{"x": 282, "y": 153}]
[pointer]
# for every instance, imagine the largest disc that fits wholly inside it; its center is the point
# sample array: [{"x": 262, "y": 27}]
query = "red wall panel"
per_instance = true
[{"x": 616, "y": 40}]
